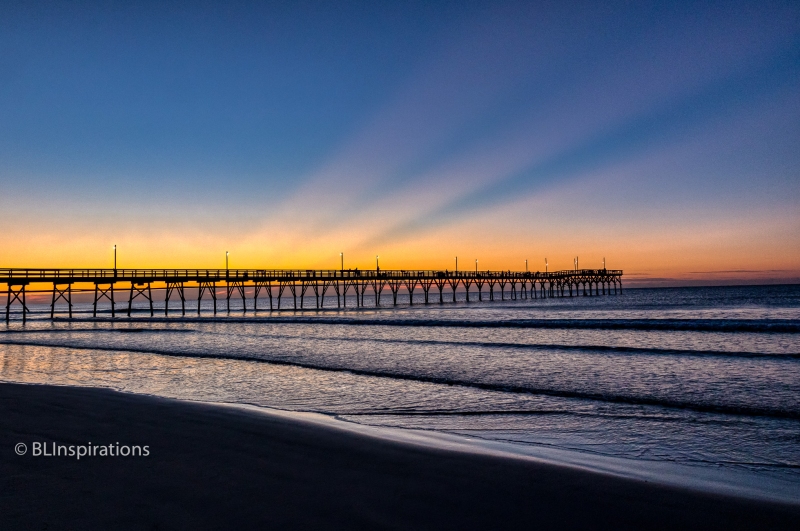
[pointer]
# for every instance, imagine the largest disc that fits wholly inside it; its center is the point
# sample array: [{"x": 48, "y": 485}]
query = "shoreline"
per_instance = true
[
  {"x": 213, "y": 466},
  {"x": 692, "y": 478}
]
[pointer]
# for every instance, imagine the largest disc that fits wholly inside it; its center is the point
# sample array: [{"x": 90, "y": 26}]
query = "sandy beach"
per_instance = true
[{"x": 213, "y": 467}]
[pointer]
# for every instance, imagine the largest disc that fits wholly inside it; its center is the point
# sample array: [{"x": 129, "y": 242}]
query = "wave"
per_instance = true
[
  {"x": 784, "y": 326},
  {"x": 647, "y": 351},
  {"x": 503, "y": 412},
  {"x": 97, "y": 330},
  {"x": 600, "y": 348},
  {"x": 737, "y": 410}
]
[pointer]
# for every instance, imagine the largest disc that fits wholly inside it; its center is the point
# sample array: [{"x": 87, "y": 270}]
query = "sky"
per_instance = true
[{"x": 663, "y": 137}]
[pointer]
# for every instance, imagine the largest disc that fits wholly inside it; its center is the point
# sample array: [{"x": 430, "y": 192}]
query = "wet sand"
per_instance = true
[{"x": 213, "y": 467}]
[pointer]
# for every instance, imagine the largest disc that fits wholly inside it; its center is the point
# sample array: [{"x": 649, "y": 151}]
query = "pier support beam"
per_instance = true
[
  {"x": 292, "y": 287},
  {"x": 259, "y": 285},
  {"x": 61, "y": 293},
  {"x": 303, "y": 287},
  {"x": 394, "y": 285},
  {"x": 100, "y": 293},
  {"x": 467, "y": 283},
  {"x": 345, "y": 286},
  {"x": 16, "y": 293},
  {"x": 211, "y": 287},
  {"x": 377, "y": 287},
  {"x": 140, "y": 288},
  {"x": 410, "y": 285},
  {"x": 173, "y": 286},
  {"x": 234, "y": 286},
  {"x": 326, "y": 284},
  {"x": 440, "y": 284},
  {"x": 426, "y": 287},
  {"x": 363, "y": 285},
  {"x": 316, "y": 287},
  {"x": 454, "y": 286},
  {"x": 281, "y": 287}
]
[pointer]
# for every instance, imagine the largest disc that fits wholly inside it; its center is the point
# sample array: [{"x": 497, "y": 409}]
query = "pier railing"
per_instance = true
[{"x": 11, "y": 276}]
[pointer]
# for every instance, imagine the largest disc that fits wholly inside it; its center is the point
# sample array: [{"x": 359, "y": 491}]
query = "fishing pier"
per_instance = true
[{"x": 278, "y": 285}]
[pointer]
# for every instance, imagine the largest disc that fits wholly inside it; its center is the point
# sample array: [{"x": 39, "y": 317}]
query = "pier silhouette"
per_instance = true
[{"x": 279, "y": 284}]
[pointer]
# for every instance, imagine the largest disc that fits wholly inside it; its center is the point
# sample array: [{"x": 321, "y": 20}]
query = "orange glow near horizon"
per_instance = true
[{"x": 711, "y": 251}]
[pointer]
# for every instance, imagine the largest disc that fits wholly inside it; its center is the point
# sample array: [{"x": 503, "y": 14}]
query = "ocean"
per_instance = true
[{"x": 692, "y": 386}]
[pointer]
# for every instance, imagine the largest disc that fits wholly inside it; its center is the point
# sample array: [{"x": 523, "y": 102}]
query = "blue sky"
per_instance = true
[{"x": 417, "y": 130}]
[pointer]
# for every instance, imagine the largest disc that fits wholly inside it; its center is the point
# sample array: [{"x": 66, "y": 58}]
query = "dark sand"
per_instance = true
[{"x": 223, "y": 468}]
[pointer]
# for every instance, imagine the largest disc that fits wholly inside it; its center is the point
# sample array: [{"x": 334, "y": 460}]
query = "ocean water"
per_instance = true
[{"x": 694, "y": 381}]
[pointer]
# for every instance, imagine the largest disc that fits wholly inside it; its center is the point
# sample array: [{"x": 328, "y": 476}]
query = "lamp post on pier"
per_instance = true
[
  {"x": 226, "y": 264},
  {"x": 115, "y": 259},
  {"x": 545, "y": 265},
  {"x": 456, "y": 264},
  {"x": 377, "y": 265},
  {"x": 476, "y": 266},
  {"x": 341, "y": 256},
  {"x": 526, "y": 265}
]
